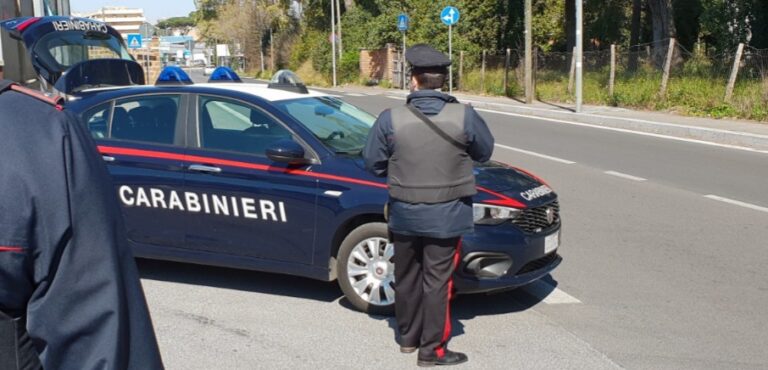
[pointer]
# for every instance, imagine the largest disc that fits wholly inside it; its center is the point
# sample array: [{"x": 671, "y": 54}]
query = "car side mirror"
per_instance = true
[
  {"x": 322, "y": 110},
  {"x": 287, "y": 151}
]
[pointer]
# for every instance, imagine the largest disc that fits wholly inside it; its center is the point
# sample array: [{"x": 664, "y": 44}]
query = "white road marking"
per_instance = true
[
  {"x": 549, "y": 294},
  {"x": 396, "y": 97},
  {"x": 738, "y": 203},
  {"x": 660, "y": 136},
  {"x": 625, "y": 176},
  {"x": 354, "y": 94},
  {"x": 551, "y": 158}
]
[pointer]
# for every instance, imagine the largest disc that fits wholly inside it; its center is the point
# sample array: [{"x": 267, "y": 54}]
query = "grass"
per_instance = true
[
  {"x": 693, "y": 94},
  {"x": 493, "y": 84}
]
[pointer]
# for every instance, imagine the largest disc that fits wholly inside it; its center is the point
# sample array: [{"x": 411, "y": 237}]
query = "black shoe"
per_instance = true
[
  {"x": 408, "y": 349},
  {"x": 450, "y": 358}
]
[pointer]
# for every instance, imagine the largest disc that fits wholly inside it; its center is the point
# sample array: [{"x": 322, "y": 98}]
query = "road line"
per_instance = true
[
  {"x": 551, "y": 158},
  {"x": 354, "y": 94},
  {"x": 395, "y": 97},
  {"x": 627, "y": 131},
  {"x": 625, "y": 176},
  {"x": 549, "y": 294},
  {"x": 738, "y": 203},
  {"x": 657, "y": 123}
]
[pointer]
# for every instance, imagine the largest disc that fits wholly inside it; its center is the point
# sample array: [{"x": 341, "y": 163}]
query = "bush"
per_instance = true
[
  {"x": 310, "y": 76},
  {"x": 349, "y": 67}
]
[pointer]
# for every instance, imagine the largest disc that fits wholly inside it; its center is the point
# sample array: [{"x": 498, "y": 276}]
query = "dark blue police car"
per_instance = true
[{"x": 268, "y": 177}]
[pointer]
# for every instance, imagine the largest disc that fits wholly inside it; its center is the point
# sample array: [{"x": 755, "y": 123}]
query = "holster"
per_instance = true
[{"x": 16, "y": 349}]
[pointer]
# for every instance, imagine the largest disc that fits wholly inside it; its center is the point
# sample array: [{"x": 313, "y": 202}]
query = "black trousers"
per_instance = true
[{"x": 423, "y": 289}]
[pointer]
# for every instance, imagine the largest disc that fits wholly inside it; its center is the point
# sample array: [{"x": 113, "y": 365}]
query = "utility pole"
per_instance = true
[
  {"x": 579, "y": 54},
  {"x": 338, "y": 16},
  {"x": 333, "y": 42},
  {"x": 528, "y": 51}
]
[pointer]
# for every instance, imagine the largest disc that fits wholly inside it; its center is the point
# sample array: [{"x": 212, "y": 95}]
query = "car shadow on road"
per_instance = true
[
  {"x": 244, "y": 280},
  {"x": 467, "y": 307}
]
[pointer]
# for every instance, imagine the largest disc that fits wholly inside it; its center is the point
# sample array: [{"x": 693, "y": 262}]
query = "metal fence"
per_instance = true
[{"x": 650, "y": 75}]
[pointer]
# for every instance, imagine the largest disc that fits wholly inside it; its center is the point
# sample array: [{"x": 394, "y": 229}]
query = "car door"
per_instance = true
[
  {"x": 141, "y": 138},
  {"x": 255, "y": 207}
]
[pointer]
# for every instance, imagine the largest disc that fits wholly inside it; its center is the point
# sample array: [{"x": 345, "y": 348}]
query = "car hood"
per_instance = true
[{"x": 497, "y": 180}]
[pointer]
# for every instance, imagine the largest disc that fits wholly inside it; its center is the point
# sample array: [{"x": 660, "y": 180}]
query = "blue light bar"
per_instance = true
[
  {"x": 224, "y": 74},
  {"x": 173, "y": 75}
]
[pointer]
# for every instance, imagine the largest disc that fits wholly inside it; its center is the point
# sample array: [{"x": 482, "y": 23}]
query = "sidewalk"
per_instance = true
[{"x": 741, "y": 133}]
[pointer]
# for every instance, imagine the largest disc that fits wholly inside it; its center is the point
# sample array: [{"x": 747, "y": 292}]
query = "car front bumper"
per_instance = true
[{"x": 496, "y": 259}]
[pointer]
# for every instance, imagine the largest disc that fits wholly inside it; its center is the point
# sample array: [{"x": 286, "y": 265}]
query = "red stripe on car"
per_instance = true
[
  {"x": 225, "y": 162},
  {"x": 23, "y": 25},
  {"x": 503, "y": 199}
]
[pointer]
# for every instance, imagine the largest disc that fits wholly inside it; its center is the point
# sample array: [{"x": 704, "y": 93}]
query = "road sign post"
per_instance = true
[
  {"x": 402, "y": 25},
  {"x": 450, "y": 16}
]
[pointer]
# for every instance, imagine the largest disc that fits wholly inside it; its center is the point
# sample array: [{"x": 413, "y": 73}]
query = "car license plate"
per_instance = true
[{"x": 551, "y": 242}]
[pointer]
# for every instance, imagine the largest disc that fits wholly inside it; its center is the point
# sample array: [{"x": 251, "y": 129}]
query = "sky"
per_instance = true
[{"x": 153, "y": 9}]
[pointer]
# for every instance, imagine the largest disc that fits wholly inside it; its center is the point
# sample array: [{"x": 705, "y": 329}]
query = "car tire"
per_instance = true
[{"x": 366, "y": 271}]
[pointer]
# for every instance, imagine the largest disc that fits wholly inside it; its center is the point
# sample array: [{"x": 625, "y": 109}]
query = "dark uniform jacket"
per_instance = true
[
  {"x": 64, "y": 263},
  {"x": 438, "y": 220}
]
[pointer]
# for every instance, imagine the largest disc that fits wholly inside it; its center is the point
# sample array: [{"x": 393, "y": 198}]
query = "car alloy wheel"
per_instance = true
[
  {"x": 371, "y": 272},
  {"x": 366, "y": 271}
]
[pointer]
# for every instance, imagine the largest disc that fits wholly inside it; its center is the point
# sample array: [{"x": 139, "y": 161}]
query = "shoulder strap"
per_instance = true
[
  {"x": 436, "y": 128},
  {"x": 6, "y": 85}
]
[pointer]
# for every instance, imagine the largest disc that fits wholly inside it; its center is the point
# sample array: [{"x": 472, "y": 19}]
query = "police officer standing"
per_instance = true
[
  {"x": 426, "y": 149},
  {"x": 70, "y": 297}
]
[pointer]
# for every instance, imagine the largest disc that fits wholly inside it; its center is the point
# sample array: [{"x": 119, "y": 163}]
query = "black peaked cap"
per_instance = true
[{"x": 425, "y": 56}]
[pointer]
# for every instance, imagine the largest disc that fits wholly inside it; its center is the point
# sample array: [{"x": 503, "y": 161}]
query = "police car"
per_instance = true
[{"x": 268, "y": 177}]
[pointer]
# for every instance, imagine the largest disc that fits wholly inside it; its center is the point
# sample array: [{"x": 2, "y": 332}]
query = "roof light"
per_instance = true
[
  {"x": 173, "y": 75},
  {"x": 287, "y": 80},
  {"x": 224, "y": 74}
]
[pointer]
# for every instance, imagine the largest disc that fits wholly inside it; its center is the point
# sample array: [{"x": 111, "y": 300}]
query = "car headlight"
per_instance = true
[{"x": 484, "y": 214}]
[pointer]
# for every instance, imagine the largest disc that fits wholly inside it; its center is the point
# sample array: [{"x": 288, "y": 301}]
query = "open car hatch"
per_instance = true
[{"x": 72, "y": 54}]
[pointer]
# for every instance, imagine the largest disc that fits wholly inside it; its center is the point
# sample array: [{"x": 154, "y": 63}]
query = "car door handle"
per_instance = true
[
  {"x": 204, "y": 168},
  {"x": 108, "y": 158}
]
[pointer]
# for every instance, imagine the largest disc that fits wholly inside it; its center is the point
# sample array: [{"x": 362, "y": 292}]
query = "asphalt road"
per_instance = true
[{"x": 662, "y": 270}]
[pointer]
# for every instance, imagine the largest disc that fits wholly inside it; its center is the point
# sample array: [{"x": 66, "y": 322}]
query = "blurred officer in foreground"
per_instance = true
[
  {"x": 426, "y": 149},
  {"x": 70, "y": 296}
]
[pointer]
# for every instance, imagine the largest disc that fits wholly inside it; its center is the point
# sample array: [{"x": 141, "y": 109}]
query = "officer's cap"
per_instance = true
[{"x": 425, "y": 56}]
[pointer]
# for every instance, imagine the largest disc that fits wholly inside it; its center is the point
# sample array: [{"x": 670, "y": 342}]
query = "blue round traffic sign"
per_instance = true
[
  {"x": 402, "y": 22},
  {"x": 450, "y": 15}
]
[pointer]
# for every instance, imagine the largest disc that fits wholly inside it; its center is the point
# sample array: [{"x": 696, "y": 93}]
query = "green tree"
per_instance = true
[{"x": 726, "y": 23}]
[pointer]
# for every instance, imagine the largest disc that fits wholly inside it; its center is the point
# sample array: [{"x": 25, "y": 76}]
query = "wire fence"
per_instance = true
[{"x": 652, "y": 76}]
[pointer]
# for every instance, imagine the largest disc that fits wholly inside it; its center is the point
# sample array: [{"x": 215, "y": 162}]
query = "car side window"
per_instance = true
[
  {"x": 97, "y": 120},
  {"x": 149, "y": 119},
  {"x": 238, "y": 127}
]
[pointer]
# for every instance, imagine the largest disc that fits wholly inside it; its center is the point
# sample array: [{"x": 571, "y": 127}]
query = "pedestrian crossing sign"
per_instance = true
[{"x": 134, "y": 40}]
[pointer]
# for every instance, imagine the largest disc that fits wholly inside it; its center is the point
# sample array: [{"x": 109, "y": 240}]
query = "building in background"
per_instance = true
[
  {"x": 14, "y": 62},
  {"x": 124, "y": 20}
]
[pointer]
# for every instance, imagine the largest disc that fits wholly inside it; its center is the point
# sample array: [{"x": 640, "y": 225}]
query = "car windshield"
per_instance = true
[
  {"x": 339, "y": 125},
  {"x": 60, "y": 50}
]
